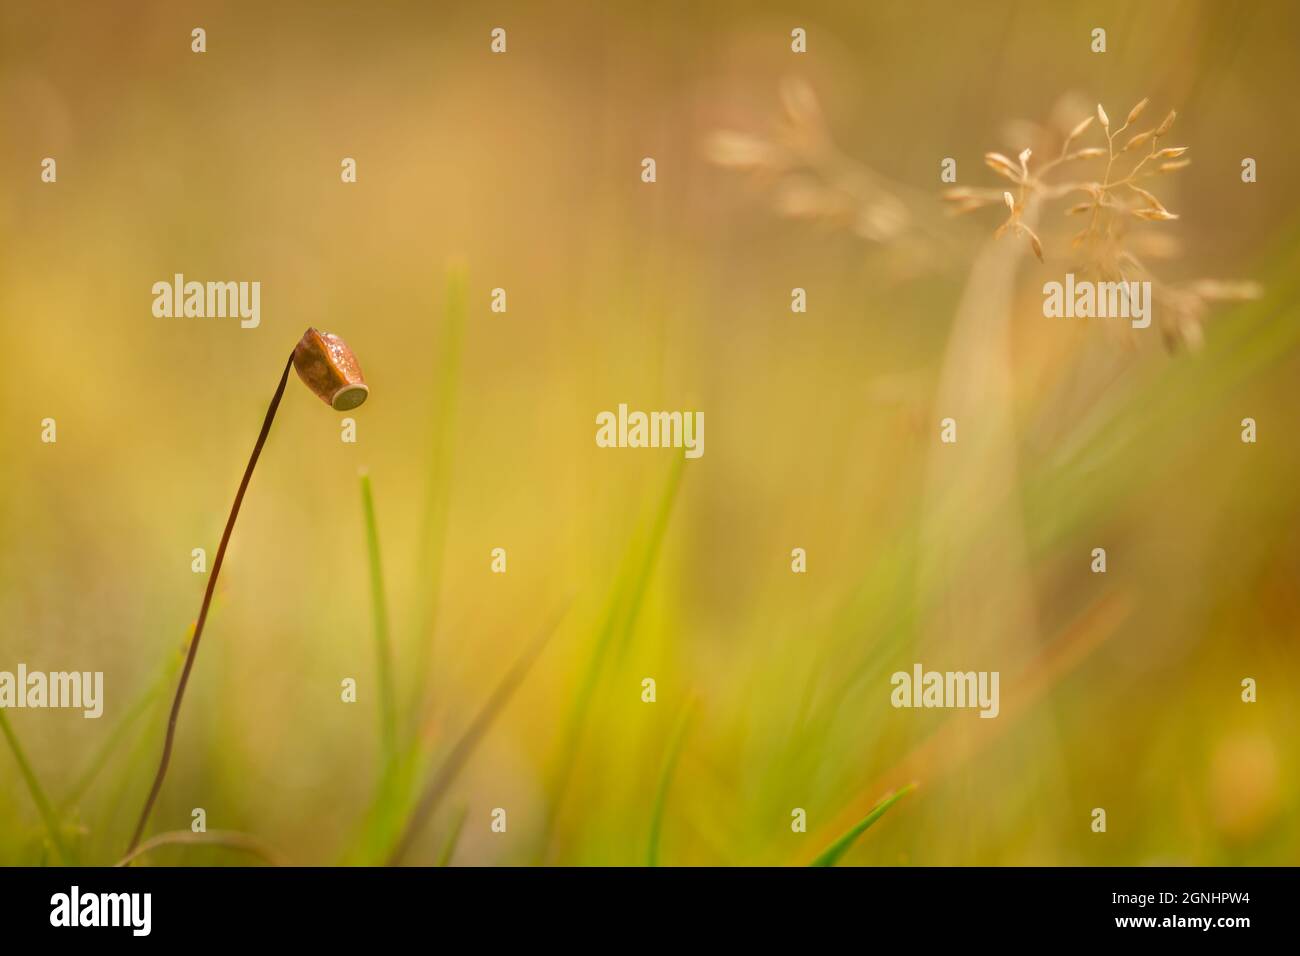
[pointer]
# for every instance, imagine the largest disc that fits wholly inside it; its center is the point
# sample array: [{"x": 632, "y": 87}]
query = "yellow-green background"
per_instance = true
[{"x": 821, "y": 430}]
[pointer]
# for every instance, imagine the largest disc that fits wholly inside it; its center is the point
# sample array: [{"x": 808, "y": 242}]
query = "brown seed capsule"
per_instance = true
[{"x": 327, "y": 366}]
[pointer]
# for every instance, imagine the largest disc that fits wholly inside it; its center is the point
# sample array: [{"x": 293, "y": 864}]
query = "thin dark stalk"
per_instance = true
[{"x": 203, "y": 611}]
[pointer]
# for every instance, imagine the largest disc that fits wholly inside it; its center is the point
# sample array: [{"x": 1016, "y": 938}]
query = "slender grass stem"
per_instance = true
[
  {"x": 665, "y": 781},
  {"x": 620, "y": 619},
  {"x": 42, "y": 802},
  {"x": 383, "y": 646},
  {"x": 203, "y": 611},
  {"x": 446, "y": 375}
]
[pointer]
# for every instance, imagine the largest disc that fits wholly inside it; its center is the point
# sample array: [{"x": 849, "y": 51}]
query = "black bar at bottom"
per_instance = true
[{"x": 606, "y": 906}]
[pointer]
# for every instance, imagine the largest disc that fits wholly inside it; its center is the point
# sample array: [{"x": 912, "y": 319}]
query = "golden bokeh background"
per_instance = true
[{"x": 522, "y": 171}]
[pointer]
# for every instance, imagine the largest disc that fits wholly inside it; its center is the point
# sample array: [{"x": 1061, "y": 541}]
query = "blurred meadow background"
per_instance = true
[{"x": 775, "y": 170}]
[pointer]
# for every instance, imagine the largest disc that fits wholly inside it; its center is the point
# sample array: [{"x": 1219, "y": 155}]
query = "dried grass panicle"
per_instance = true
[
  {"x": 808, "y": 176},
  {"x": 1113, "y": 202}
]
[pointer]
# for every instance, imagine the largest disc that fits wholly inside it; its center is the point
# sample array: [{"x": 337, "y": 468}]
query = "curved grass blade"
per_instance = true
[
  {"x": 665, "y": 781},
  {"x": 831, "y": 855},
  {"x": 228, "y": 839}
]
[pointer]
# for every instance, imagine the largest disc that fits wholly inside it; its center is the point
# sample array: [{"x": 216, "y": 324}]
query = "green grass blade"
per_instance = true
[
  {"x": 641, "y": 576},
  {"x": 441, "y": 780},
  {"x": 832, "y": 854},
  {"x": 449, "y": 845},
  {"x": 388, "y": 812},
  {"x": 393, "y": 789},
  {"x": 394, "y": 800},
  {"x": 446, "y": 378},
  {"x": 620, "y": 618},
  {"x": 51, "y": 819},
  {"x": 383, "y": 645},
  {"x": 141, "y": 706},
  {"x": 665, "y": 781}
]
